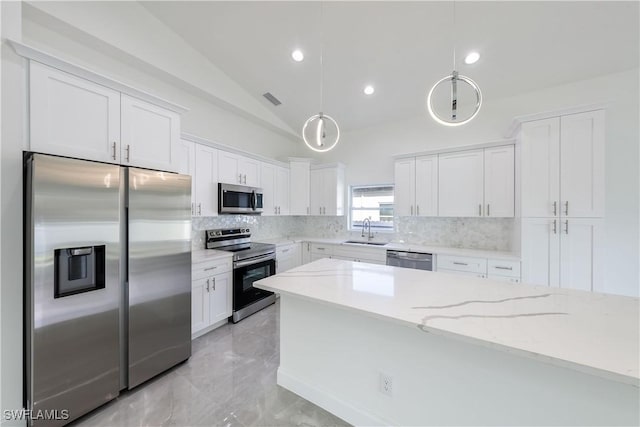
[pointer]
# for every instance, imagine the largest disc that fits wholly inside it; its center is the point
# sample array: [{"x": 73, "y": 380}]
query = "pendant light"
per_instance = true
[
  {"x": 454, "y": 78},
  {"x": 321, "y": 132}
]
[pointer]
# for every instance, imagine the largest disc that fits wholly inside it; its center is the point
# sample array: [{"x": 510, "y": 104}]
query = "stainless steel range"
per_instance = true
[{"x": 251, "y": 262}]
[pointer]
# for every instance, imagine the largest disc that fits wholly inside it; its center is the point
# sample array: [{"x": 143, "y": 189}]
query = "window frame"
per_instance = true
[{"x": 374, "y": 228}]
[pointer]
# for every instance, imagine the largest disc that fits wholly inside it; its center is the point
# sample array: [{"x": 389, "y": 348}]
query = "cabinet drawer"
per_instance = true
[
  {"x": 463, "y": 273},
  {"x": 505, "y": 278},
  {"x": 361, "y": 254},
  {"x": 498, "y": 267},
  {"x": 323, "y": 249},
  {"x": 461, "y": 263},
  {"x": 211, "y": 268},
  {"x": 288, "y": 251}
]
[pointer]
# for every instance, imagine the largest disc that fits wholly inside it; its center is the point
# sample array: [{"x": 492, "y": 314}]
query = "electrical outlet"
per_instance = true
[{"x": 386, "y": 384}]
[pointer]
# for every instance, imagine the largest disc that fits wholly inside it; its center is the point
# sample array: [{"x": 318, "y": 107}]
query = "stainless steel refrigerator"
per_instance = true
[{"x": 107, "y": 281}]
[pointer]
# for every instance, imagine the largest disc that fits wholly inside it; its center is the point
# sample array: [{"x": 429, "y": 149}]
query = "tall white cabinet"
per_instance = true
[
  {"x": 201, "y": 162},
  {"x": 562, "y": 190},
  {"x": 275, "y": 187}
]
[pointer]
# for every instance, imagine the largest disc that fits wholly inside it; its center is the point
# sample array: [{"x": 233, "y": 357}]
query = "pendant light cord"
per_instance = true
[
  {"x": 454, "y": 35},
  {"x": 321, "y": 56}
]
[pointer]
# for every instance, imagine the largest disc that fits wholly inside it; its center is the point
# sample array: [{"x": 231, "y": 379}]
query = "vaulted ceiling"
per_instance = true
[{"x": 401, "y": 48}]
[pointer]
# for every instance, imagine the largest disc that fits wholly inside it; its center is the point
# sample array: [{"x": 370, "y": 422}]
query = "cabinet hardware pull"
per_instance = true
[
  {"x": 192, "y": 208},
  {"x": 114, "y": 151},
  {"x": 214, "y": 283},
  {"x": 207, "y": 285},
  {"x": 555, "y": 208},
  {"x": 488, "y": 211},
  {"x": 210, "y": 268},
  {"x": 503, "y": 268},
  {"x": 199, "y": 208},
  {"x": 566, "y": 227},
  {"x": 275, "y": 210},
  {"x": 480, "y": 209},
  {"x": 417, "y": 210},
  {"x": 240, "y": 178},
  {"x": 320, "y": 209},
  {"x": 320, "y": 249},
  {"x": 128, "y": 152},
  {"x": 285, "y": 251},
  {"x": 411, "y": 210},
  {"x": 566, "y": 208},
  {"x": 555, "y": 227},
  {"x": 460, "y": 263},
  {"x": 307, "y": 210}
]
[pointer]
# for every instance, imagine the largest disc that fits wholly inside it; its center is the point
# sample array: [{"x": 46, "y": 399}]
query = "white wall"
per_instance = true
[
  {"x": 366, "y": 154},
  {"x": 11, "y": 217}
]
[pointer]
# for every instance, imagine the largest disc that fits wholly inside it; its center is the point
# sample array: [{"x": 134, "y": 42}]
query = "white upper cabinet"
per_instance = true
[
  {"x": 582, "y": 164},
  {"x": 563, "y": 166},
  {"x": 150, "y": 135},
  {"x": 404, "y": 187},
  {"x": 236, "y": 169},
  {"x": 499, "y": 184},
  {"x": 299, "y": 185},
  {"x": 73, "y": 117},
  {"x": 275, "y": 188},
  {"x": 186, "y": 165},
  {"x": 206, "y": 181},
  {"x": 460, "y": 183},
  {"x": 416, "y": 186},
  {"x": 426, "y": 186},
  {"x": 327, "y": 191}
]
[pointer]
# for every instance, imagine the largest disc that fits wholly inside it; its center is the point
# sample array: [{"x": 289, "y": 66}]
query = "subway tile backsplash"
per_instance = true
[{"x": 472, "y": 233}]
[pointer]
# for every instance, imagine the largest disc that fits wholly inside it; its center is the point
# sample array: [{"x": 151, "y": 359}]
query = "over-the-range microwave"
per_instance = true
[{"x": 239, "y": 199}]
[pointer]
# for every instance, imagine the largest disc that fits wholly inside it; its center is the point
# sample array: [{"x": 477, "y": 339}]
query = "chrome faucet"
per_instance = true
[{"x": 365, "y": 222}]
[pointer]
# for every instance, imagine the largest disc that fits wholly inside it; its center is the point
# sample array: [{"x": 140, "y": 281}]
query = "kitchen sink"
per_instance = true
[{"x": 360, "y": 242}]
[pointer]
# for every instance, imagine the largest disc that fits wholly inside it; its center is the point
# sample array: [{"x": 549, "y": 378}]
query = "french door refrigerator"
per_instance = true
[{"x": 107, "y": 281}]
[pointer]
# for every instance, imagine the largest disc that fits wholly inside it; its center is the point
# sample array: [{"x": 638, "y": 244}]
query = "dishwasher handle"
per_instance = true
[{"x": 413, "y": 256}]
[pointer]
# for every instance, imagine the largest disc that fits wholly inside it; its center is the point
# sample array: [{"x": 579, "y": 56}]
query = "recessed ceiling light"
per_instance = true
[
  {"x": 368, "y": 90},
  {"x": 297, "y": 55},
  {"x": 472, "y": 58}
]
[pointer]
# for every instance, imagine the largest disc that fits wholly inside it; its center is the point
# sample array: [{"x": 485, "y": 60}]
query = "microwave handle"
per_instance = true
[{"x": 254, "y": 200}]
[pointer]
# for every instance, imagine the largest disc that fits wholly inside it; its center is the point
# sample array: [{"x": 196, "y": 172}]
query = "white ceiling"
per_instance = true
[{"x": 402, "y": 48}]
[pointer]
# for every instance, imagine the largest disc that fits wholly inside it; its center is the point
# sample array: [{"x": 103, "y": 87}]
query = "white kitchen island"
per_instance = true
[{"x": 457, "y": 350}]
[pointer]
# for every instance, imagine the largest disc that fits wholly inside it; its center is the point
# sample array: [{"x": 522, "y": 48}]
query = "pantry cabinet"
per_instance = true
[
  {"x": 75, "y": 117},
  {"x": 416, "y": 186},
  {"x": 275, "y": 187},
  {"x": 237, "y": 169},
  {"x": 563, "y": 166},
  {"x": 327, "y": 190}
]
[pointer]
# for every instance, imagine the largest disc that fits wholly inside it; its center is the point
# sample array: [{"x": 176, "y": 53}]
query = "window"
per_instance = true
[{"x": 374, "y": 202}]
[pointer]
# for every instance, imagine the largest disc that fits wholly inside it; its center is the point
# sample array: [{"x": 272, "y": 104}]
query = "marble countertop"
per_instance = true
[
  {"x": 589, "y": 332},
  {"x": 203, "y": 255},
  {"x": 439, "y": 250}
]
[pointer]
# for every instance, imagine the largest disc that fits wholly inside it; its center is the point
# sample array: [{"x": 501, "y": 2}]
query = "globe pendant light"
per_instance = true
[
  {"x": 452, "y": 119},
  {"x": 321, "y": 132}
]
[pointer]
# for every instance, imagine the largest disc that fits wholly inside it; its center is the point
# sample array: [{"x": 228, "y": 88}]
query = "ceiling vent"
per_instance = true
[{"x": 272, "y": 99}]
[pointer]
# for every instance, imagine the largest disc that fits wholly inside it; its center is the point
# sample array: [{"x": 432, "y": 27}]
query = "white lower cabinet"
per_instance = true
[
  {"x": 211, "y": 294},
  {"x": 288, "y": 257},
  {"x": 562, "y": 252},
  {"x": 496, "y": 269}
]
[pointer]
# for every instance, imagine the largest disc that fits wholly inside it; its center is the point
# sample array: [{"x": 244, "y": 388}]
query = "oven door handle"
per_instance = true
[{"x": 240, "y": 264}]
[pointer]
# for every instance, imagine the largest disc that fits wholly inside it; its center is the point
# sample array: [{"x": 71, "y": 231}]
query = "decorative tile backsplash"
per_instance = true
[{"x": 471, "y": 233}]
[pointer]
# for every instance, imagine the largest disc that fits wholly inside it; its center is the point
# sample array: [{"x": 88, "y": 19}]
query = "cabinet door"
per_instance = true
[
  {"x": 305, "y": 253},
  {"x": 580, "y": 260},
  {"x": 229, "y": 168},
  {"x": 250, "y": 170},
  {"x": 282, "y": 190},
  {"x": 405, "y": 187},
  {"x": 73, "y": 117},
  {"x": 461, "y": 184},
  {"x": 299, "y": 190},
  {"x": 499, "y": 181},
  {"x": 317, "y": 192},
  {"x": 540, "y": 187},
  {"x": 220, "y": 297},
  {"x": 582, "y": 164},
  {"x": 150, "y": 135},
  {"x": 199, "y": 305},
  {"x": 206, "y": 178},
  {"x": 426, "y": 185},
  {"x": 269, "y": 198},
  {"x": 541, "y": 251},
  {"x": 186, "y": 162},
  {"x": 331, "y": 193}
]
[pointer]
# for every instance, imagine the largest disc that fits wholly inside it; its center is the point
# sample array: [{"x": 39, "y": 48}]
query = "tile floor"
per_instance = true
[{"x": 230, "y": 380}]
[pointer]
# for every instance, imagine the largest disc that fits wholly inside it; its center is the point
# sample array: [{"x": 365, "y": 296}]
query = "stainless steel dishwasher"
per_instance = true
[{"x": 407, "y": 259}]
